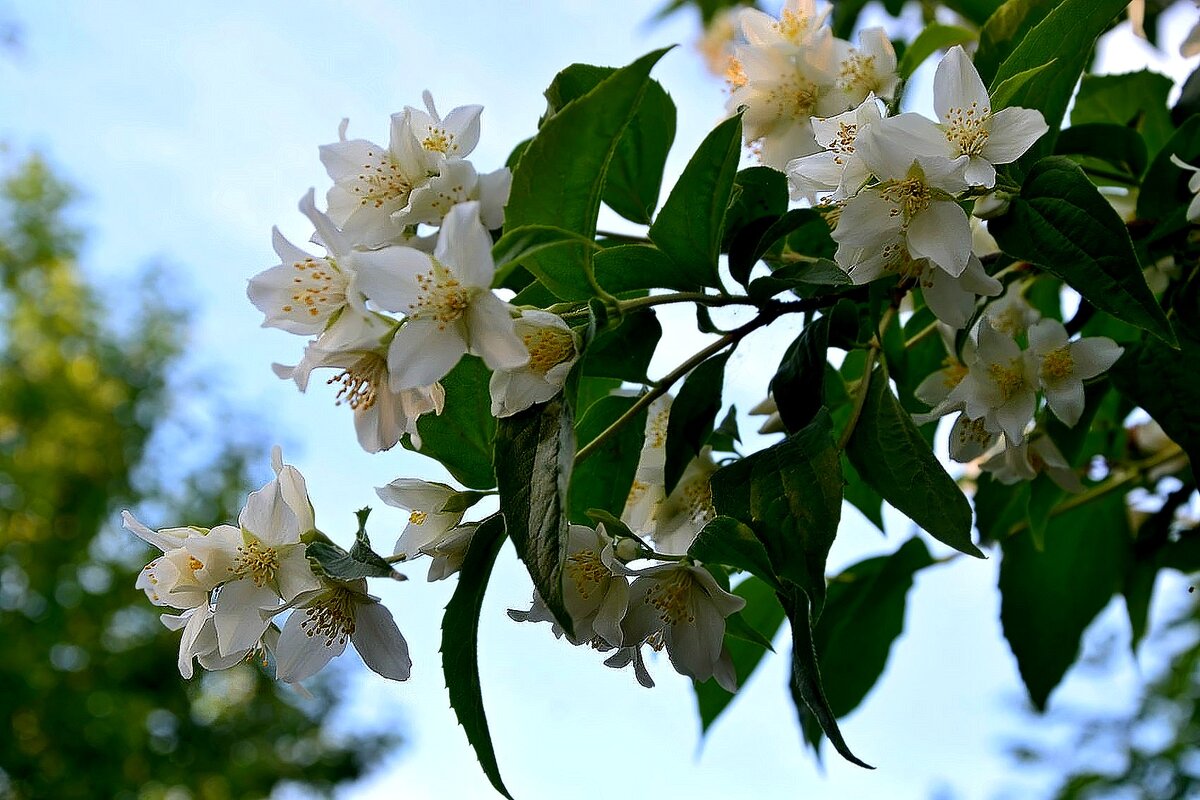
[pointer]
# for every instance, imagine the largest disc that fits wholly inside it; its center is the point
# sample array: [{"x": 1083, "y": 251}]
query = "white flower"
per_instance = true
[
  {"x": 1000, "y": 385},
  {"x": 869, "y": 69},
  {"x": 319, "y": 628},
  {"x": 969, "y": 128},
  {"x": 447, "y": 297},
  {"x": 457, "y": 182},
  {"x": 452, "y": 137},
  {"x": 552, "y": 354},
  {"x": 1193, "y": 211},
  {"x": 799, "y": 25},
  {"x": 688, "y": 508},
  {"x": 682, "y": 608},
  {"x": 199, "y": 641},
  {"x": 1063, "y": 365},
  {"x": 781, "y": 91},
  {"x": 952, "y": 300},
  {"x": 914, "y": 202},
  {"x": 769, "y": 409},
  {"x": 381, "y": 416},
  {"x": 648, "y": 491},
  {"x": 716, "y": 43},
  {"x": 264, "y": 561},
  {"x": 838, "y": 168},
  {"x": 595, "y": 590},
  {"x": 370, "y": 182},
  {"x": 1023, "y": 462},
  {"x": 1012, "y": 314},
  {"x": 448, "y": 552},
  {"x": 624, "y": 656},
  {"x": 427, "y": 523},
  {"x": 175, "y": 578},
  {"x": 304, "y": 293}
]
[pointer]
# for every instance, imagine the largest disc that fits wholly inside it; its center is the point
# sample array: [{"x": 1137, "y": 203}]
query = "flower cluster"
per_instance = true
[
  {"x": 230, "y": 583},
  {"x": 392, "y": 307},
  {"x": 897, "y": 183},
  {"x": 994, "y": 388},
  {"x": 785, "y": 71}
]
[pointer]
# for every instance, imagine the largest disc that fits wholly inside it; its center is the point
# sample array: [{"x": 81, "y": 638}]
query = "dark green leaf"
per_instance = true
[
  {"x": 1188, "y": 103},
  {"x": 864, "y": 615},
  {"x": 1166, "y": 383},
  {"x": 1136, "y": 100},
  {"x": 630, "y": 267},
  {"x": 635, "y": 174},
  {"x": 888, "y": 452},
  {"x": 726, "y": 541},
  {"x": 799, "y": 383},
  {"x": 813, "y": 237},
  {"x": 461, "y": 436},
  {"x": 935, "y": 37},
  {"x": 758, "y": 203},
  {"x": 737, "y": 627},
  {"x": 977, "y": 11},
  {"x": 1065, "y": 37},
  {"x": 1115, "y": 144},
  {"x": 726, "y": 434},
  {"x": 604, "y": 479},
  {"x": 561, "y": 175},
  {"x": 1063, "y": 224},
  {"x": 1004, "y": 30},
  {"x": 615, "y": 527},
  {"x": 624, "y": 351},
  {"x": 861, "y": 496},
  {"x": 806, "y": 673},
  {"x": 691, "y": 224},
  {"x": 519, "y": 246},
  {"x": 805, "y": 279},
  {"x": 460, "y": 644},
  {"x": 461, "y": 501},
  {"x": 764, "y": 614},
  {"x": 535, "y": 450},
  {"x": 790, "y": 495},
  {"x": 1048, "y": 597},
  {"x": 1165, "y": 191},
  {"x": 693, "y": 413}
]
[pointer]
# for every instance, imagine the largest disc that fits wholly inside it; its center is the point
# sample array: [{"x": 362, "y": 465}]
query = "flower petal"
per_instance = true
[
  {"x": 942, "y": 233},
  {"x": 465, "y": 246},
  {"x": 423, "y": 352},
  {"x": 957, "y": 85},
  {"x": 1013, "y": 131},
  {"x": 299, "y": 655},
  {"x": 492, "y": 334},
  {"x": 380, "y": 643},
  {"x": 1094, "y": 355},
  {"x": 388, "y": 277}
]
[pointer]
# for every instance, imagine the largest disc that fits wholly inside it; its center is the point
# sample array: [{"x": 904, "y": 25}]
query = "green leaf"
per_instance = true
[
  {"x": 864, "y": 615},
  {"x": 813, "y": 237},
  {"x": 799, "y": 383},
  {"x": 1048, "y": 597},
  {"x": 461, "y": 501},
  {"x": 519, "y": 246},
  {"x": 759, "y": 201},
  {"x": 804, "y": 279},
  {"x": 861, "y": 496},
  {"x": 1166, "y": 383},
  {"x": 1136, "y": 100},
  {"x": 534, "y": 453},
  {"x": 790, "y": 495},
  {"x": 1064, "y": 225},
  {"x": 806, "y": 673},
  {"x": 888, "y": 452},
  {"x": 1065, "y": 36},
  {"x": 560, "y": 177},
  {"x": 726, "y": 541},
  {"x": 726, "y": 434},
  {"x": 1165, "y": 191},
  {"x": 691, "y": 224},
  {"x": 764, "y": 614},
  {"x": 935, "y": 37},
  {"x": 361, "y": 562},
  {"x": 1004, "y": 30},
  {"x": 737, "y": 627},
  {"x": 460, "y": 644},
  {"x": 977, "y": 11},
  {"x": 1004, "y": 92},
  {"x": 804, "y": 230},
  {"x": 624, "y": 351},
  {"x": 461, "y": 436},
  {"x": 630, "y": 267},
  {"x": 604, "y": 479},
  {"x": 635, "y": 174},
  {"x": 1117, "y": 145},
  {"x": 693, "y": 413}
]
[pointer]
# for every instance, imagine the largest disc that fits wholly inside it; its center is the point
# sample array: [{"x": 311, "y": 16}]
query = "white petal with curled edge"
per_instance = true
[
  {"x": 463, "y": 124},
  {"x": 269, "y": 518},
  {"x": 293, "y": 489},
  {"x": 946, "y": 297},
  {"x": 1012, "y": 132},
  {"x": 492, "y": 333},
  {"x": 957, "y": 85},
  {"x": 299, "y": 655},
  {"x": 380, "y": 643},
  {"x": 942, "y": 233},
  {"x": 1094, "y": 355},
  {"x": 980, "y": 172},
  {"x": 1014, "y": 415},
  {"x": 415, "y": 494},
  {"x": 164, "y": 540},
  {"x": 242, "y": 613},
  {"x": 724, "y": 673},
  {"x": 1046, "y": 335},
  {"x": 465, "y": 246},
  {"x": 1066, "y": 399},
  {"x": 423, "y": 352}
]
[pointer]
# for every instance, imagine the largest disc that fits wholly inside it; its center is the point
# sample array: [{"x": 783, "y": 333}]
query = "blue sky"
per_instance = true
[{"x": 193, "y": 128}]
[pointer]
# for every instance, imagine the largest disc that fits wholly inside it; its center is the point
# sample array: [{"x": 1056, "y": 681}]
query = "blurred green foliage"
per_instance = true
[{"x": 91, "y": 702}]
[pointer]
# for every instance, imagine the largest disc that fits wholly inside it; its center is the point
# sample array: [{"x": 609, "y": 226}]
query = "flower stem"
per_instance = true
[
  {"x": 669, "y": 380},
  {"x": 686, "y": 297}
]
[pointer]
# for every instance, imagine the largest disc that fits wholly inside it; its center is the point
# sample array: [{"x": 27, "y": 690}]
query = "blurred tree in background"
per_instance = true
[{"x": 91, "y": 703}]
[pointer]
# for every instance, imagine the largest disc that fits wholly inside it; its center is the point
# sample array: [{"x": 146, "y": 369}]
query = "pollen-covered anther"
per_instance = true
[
  {"x": 418, "y": 517},
  {"x": 953, "y": 371},
  {"x": 361, "y": 381},
  {"x": 1009, "y": 380},
  {"x": 843, "y": 140},
  {"x": 1058, "y": 364},
  {"x": 792, "y": 26},
  {"x": 671, "y": 598},
  {"x": 587, "y": 571},
  {"x": 439, "y": 140},
  {"x": 548, "y": 347},
  {"x": 968, "y": 128},
  {"x": 331, "y": 617},
  {"x": 911, "y": 196},
  {"x": 381, "y": 182},
  {"x": 256, "y": 561},
  {"x": 735, "y": 74},
  {"x": 440, "y": 297},
  {"x": 858, "y": 71}
]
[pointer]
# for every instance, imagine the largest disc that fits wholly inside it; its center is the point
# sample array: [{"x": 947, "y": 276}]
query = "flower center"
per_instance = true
[
  {"x": 967, "y": 129},
  {"x": 953, "y": 372},
  {"x": 697, "y": 496},
  {"x": 898, "y": 261},
  {"x": 381, "y": 181},
  {"x": 440, "y": 297},
  {"x": 194, "y": 564},
  {"x": 439, "y": 140},
  {"x": 587, "y": 571},
  {"x": 1058, "y": 364},
  {"x": 671, "y": 596},
  {"x": 858, "y": 72},
  {"x": 418, "y": 517},
  {"x": 331, "y": 617},
  {"x": 910, "y": 195},
  {"x": 735, "y": 74},
  {"x": 548, "y": 347},
  {"x": 256, "y": 561},
  {"x": 1009, "y": 380},
  {"x": 843, "y": 140},
  {"x": 792, "y": 26},
  {"x": 361, "y": 381},
  {"x": 314, "y": 290},
  {"x": 974, "y": 431}
]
